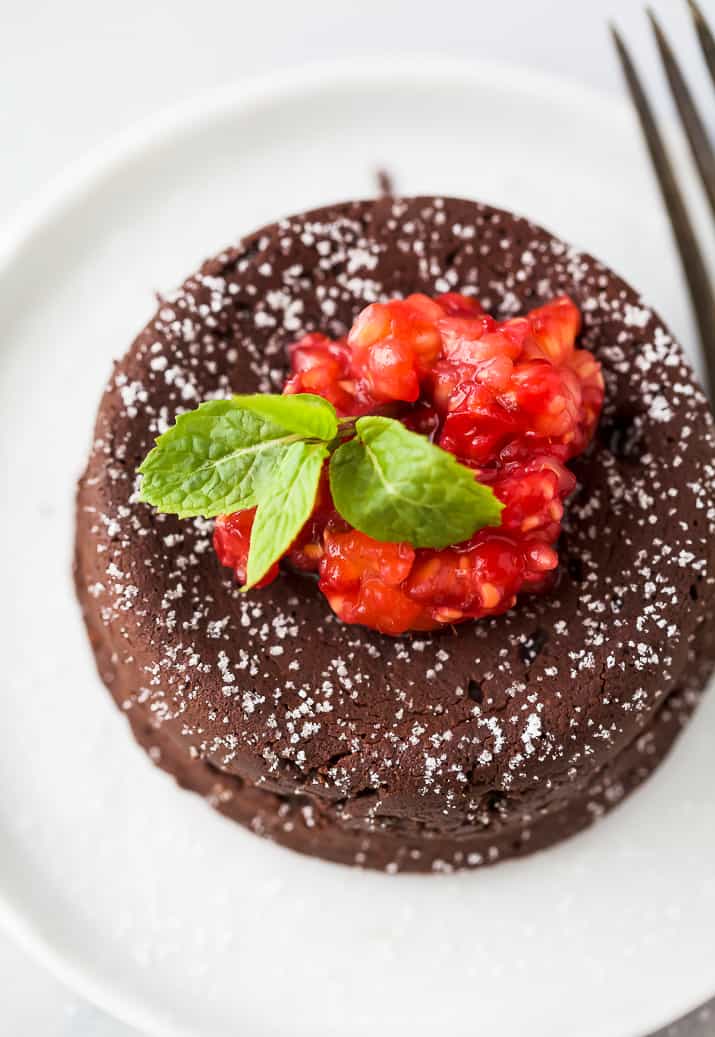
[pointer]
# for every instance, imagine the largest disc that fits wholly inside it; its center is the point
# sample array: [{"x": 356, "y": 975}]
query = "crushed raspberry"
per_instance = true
[
  {"x": 394, "y": 346},
  {"x": 514, "y": 399},
  {"x": 322, "y": 367}
]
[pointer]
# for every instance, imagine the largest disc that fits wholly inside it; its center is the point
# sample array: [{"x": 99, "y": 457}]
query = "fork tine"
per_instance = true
[
  {"x": 705, "y": 36},
  {"x": 689, "y": 115},
  {"x": 696, "y": 273}
]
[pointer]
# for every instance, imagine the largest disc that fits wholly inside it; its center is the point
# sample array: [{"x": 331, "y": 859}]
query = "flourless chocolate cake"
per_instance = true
[{"x": 429, "y": 751}]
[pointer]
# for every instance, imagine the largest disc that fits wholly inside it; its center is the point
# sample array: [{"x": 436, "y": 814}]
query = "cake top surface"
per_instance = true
[{"x": 273, "y": 682}]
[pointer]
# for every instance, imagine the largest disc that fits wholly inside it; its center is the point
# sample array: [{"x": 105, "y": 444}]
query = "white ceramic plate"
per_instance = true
[{"x": 137, "y": 893}]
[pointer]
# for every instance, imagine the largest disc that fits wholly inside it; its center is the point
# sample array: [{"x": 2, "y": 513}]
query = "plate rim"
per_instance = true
[
  {"x": 149, "y": 136},
  {"x": 153, "y": 132}
]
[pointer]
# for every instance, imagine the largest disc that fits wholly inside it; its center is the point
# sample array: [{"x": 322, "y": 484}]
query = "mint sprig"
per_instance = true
[{"x": 269, "y": 451}]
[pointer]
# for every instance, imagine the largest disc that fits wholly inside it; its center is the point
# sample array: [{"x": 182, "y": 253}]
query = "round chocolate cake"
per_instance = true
[{"x": 425, "y": 752}]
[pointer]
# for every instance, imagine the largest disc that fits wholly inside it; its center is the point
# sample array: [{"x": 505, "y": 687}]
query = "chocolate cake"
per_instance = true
[{"x": 425, "y": 752}]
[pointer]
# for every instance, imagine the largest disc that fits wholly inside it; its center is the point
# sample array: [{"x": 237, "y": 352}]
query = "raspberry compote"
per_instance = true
[{"x": 512, "y": 399}]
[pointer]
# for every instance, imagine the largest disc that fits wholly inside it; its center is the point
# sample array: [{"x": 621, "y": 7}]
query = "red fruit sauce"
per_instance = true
[{"x": 513, "y": 399}]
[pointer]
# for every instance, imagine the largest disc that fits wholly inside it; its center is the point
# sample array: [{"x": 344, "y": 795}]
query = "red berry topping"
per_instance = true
[
  {"x": 322, "y": 367},
  {"x": 456, "y": 305},
  {"x": 513, "y": 399},
  {"x": 361, "y": 578},
  {"x": 394, "y": 345}
]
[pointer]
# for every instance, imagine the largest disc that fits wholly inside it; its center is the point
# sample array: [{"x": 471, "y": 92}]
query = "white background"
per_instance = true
[{"x": 74, "y": 73}]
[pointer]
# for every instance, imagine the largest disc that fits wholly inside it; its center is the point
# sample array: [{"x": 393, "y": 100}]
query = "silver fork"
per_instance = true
[{"x": 696, "y": 272}]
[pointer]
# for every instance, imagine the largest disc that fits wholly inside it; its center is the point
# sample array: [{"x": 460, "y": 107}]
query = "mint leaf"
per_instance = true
[
  {"x": 311, "y": 416},
  {"x": 395, "y": 485},
  {"x": 286, "y": 498},
  {"x": 208, "y": 462}
]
